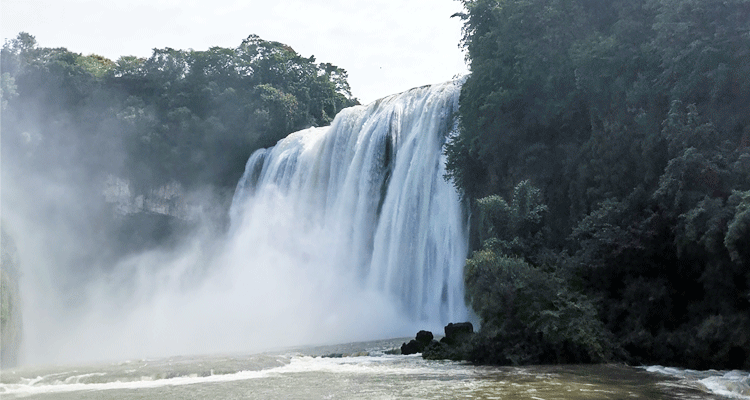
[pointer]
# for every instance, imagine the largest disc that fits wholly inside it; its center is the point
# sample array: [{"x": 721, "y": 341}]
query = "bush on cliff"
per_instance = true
[{"x": 529, "y": 313}]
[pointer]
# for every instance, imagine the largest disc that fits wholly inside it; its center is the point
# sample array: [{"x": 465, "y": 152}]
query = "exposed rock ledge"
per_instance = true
[{"x": 453, "y": 346}]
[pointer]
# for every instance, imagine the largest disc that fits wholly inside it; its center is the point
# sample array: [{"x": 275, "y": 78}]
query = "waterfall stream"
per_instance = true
[{"x": 366, "y": 199}]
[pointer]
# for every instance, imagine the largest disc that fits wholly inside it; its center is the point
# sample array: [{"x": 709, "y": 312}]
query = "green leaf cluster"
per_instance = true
[{"x": 514, "y": 228}]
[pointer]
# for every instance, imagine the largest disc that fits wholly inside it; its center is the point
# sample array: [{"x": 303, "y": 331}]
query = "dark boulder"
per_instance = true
[
  {"x": 453, "y": 331},
  {"x": 424, "y": 337},
  {"x": 413, "y": 347},
  {"x": 456, "y": 345},
  {"x": 417, "y": 346}
]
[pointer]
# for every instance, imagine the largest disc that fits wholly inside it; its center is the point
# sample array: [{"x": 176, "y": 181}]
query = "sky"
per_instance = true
[{"x": 386, "y": 46}]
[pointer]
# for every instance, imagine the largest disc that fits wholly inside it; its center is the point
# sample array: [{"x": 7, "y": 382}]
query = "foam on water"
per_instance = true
[
  {"x": 380, "y": 365},
  {"x": 145, "y": 382},
  {"x": 152, "y": 374},
  {"x": 732, "y": 384},
  {"x": 142, "y": 374},
  {"x": 305, "y": 374}
]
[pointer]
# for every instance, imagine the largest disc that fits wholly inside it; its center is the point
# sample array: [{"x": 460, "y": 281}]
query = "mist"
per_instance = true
[
  {"x": 88, "y": 296},
  {"x": 115, "y": 266},
  {"x": 84, "y": 298}
]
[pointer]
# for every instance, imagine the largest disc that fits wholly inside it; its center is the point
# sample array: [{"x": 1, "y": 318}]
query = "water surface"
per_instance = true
[{"x": 351, "y": 371}]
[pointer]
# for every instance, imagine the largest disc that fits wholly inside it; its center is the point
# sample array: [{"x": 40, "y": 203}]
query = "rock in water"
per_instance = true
[
  {"x": 417, "y": 345},
  {"x": 424, "y": 337},
  {"x": 413, "y": 347},
  {"x": 456, "y": 344},
  {"x": 455, "y": 332}
]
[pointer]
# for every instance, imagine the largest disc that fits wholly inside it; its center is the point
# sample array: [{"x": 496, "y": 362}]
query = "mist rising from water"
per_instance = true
[{"x": 338, "y": 234}]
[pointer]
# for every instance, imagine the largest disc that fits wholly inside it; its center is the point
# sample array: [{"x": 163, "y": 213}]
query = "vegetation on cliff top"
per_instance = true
[
  {"x": 187, "y": 116},
  {"x": 179, "y": 118}
]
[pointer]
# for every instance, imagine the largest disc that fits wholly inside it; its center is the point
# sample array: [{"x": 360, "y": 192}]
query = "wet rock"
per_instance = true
[
  {"x": 456, "y": 344},
  {"x": 456, "y": 331},
  {"x": 413, "y": 347},
  {"x": 424, "y": 337},
  {"x": 417, "y": 345}
]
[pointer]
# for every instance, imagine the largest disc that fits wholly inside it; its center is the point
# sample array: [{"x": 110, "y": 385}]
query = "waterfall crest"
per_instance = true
[{"x": 364, "y": 202}]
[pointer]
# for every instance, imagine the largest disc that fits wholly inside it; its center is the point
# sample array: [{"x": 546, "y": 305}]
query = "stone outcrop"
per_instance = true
[
  {"x": 169, "y": 199},
  {"x": 417, "y": 345},
  {"x": 454, "y": 346},
  {"x": 457, "y": 332},
  {"x": 424, "y": 337}
]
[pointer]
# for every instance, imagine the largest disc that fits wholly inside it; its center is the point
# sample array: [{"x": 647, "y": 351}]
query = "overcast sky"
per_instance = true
[{"x": 387, "y": 46}]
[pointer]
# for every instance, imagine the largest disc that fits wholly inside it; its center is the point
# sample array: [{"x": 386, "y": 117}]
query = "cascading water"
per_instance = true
[
  {"x": 338, "y": 234},
  {"x": 364, "y": 202}
]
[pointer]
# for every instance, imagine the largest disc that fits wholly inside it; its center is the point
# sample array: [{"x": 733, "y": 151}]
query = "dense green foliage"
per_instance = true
[
  {"x": 633, "y": 119},
  {"x": 180, "y": 115},
  {"x": 529, "y": 314}
]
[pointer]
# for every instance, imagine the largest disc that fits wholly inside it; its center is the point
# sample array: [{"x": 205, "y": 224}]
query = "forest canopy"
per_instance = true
[
  {"x": 187, "y": 116},
  {"x": 129, "y": 154},
  {"x": 632, "y": 119}
]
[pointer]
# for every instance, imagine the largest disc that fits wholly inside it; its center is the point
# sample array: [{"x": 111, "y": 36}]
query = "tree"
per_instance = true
[{"x": 633, "y": 119}]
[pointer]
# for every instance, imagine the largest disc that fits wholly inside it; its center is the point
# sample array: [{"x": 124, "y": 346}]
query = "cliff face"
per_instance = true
[
  {"x": 10, "y": 305},
  {"x": 141, "y": 218},
  {"x": 168, "y": 199}
]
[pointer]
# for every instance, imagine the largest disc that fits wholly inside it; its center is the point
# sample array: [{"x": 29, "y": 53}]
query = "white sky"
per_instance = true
[{"x": 387, "y": 46}]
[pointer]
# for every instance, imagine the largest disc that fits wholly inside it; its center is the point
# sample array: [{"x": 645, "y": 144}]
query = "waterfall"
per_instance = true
[
  {"x": 363, "y": 203},
  {"x": 338, "y": 234}
]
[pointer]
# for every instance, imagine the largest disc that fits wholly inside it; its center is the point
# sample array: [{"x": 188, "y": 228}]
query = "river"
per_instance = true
[{"x": 359, "y": 371}]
